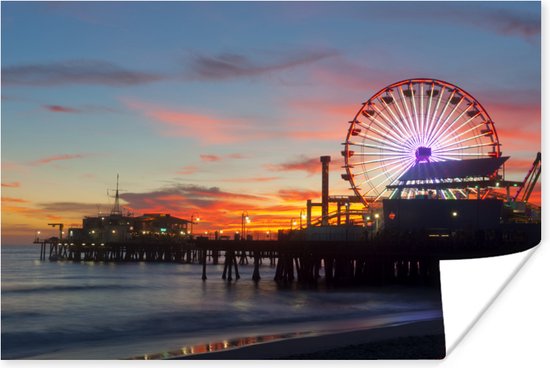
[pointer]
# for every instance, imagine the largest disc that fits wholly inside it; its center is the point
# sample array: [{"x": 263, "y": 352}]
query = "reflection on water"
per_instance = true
[
  {"x": 222, "y": 345},
  {"x": 85, "y": 310},
  {"x": 333, "y": 327}
]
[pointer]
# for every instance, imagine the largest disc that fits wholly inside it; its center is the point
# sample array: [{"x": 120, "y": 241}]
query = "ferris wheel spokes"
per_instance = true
[{"x": 413, "y": 122}]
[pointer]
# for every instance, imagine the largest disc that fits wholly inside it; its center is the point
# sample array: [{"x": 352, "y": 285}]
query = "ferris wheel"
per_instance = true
[{"x": 412, "y": 122}]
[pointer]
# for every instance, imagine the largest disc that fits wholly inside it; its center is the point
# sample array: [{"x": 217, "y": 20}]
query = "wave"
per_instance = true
[{"x": 46, "y": 289}]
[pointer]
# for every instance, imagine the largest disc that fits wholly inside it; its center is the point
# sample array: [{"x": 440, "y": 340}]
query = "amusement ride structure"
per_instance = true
[
  {"x": 412, "y": 122},
  {"x": 424, "y": 138}
]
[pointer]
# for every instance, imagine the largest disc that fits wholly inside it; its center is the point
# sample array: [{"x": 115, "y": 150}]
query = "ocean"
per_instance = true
[{"x": 66, "y": 310}]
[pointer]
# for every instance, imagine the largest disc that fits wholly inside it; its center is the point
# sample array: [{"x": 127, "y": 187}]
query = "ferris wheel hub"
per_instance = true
[{"x": 423, "y": 154}]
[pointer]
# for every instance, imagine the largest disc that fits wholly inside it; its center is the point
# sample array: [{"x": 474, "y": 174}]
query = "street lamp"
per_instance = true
[
  {"x": 292, "y": 223},
  {"x": 194, "y": 217},
  {"x": 376, "y": 216},
  {"x": 302, "y": 217},
  {"x": 267, "y": 233},
  {"x": 245, "y": 219}
]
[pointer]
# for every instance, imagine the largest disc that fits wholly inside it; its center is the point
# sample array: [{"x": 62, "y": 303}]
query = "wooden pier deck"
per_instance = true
[{"x": 389, "y": 258}]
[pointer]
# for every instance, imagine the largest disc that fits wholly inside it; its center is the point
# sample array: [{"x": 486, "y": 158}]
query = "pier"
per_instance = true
[{"x": 391, "y": 257}]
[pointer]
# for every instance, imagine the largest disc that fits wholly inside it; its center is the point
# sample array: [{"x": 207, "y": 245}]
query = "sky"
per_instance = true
[{"x": 218, "y": 108}]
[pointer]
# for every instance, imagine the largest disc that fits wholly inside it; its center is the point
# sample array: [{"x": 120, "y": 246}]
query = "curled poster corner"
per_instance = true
[{"x": 470, "y": 287}]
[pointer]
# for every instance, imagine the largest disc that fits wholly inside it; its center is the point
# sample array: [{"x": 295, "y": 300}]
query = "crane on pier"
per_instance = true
[{"x": 60, "y": 229}]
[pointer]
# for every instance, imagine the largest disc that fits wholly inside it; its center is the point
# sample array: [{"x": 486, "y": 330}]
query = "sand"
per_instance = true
[{"x": 418, "y": 340}]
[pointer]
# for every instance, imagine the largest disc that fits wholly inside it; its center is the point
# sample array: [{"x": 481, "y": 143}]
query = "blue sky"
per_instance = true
[{"x": 242, "y": 97}]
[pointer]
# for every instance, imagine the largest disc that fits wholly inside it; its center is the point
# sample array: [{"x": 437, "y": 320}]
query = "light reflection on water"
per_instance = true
[
  {"x": 327, "y": 328},
  {"x": 64, "y": 306}
]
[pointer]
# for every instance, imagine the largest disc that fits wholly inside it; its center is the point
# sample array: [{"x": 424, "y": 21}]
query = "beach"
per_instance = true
[{"x": 419, "y": 340}]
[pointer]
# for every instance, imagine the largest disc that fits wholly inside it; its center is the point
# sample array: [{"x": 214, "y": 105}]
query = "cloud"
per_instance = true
[
  {"x": 78, "y": 208},
  {"x": 63, "y": 157},
  {"x": 518, "y": 165},
  {"x": 216, "y": 158},
  {"x": 217, "y": 208},
  {"x": 260, "y": 179},
  {"x": 505, "y": 22},
  {"x": 210, "y": 158},
  {"x": 181, "y": 197},
  {"x": 92, "y": 72},
  {"x": 14, "y": 200},
  {"x": 188, "y": 170},
  {"x": 205, "y": 127},
  {"x": 233, "y": 65},
  {"x": 297, "y": 194},
  {"x": 13, "y": 184},
  {"x": 59, "y": 108},
  {"x": 302, "y": 163},
  {"x": 318, "y": 119}
]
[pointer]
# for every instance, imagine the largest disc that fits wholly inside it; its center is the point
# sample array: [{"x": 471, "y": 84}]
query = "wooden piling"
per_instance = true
[
  {"x": 256, "y": 274},
  {"x": 204, "y": 265}
]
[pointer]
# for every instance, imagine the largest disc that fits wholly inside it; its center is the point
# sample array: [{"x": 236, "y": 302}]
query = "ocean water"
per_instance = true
[{"x": 66, "y": 310}]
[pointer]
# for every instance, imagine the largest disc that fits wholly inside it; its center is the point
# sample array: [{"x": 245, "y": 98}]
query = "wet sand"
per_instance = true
[{"x": 418, "y": 340}]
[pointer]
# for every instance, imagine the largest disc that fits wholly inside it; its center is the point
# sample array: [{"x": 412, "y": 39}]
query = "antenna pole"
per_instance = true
[{"x": 116, "y": 208}]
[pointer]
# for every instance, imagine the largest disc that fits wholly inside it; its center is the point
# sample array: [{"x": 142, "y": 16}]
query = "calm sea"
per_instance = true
[{"x": 65, "y": 310}]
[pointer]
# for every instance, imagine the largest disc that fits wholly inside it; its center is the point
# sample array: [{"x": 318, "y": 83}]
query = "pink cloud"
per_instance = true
[
  {"x": 251, "y": 180},
  {"x": 210, "y": 158},
  {"x": 59, "y": 108},
  {"x": 318, "y": 119},
  {"x": 205, "y": 127},
  {"x": 62, "y": 157},
  {"x": 216, "y": 158}
]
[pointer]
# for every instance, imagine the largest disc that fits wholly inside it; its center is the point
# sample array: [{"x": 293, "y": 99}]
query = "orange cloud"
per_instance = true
[
  {"x": 14, "y": 200},
  {"x": 297, "y": 194},
  {"x": 302, "y": 163},
  {"x": 14, "y": 184},
  {"x": 311, "y": 165},
  {"x": 218, "y": 209}
]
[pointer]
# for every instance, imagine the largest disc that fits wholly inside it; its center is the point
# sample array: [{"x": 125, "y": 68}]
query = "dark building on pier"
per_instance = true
[{"x": 118, "y": 228}]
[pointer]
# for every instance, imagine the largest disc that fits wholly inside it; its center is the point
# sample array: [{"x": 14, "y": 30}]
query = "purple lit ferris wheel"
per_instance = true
[{"x": 409, "y": 123}]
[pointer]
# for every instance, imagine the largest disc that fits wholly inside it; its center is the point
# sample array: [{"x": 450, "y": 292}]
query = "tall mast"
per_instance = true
[{"x": 116, "y": 208}]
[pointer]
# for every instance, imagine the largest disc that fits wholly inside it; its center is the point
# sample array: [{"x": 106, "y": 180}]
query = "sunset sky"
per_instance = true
[{"x": 216, "y": 108}]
